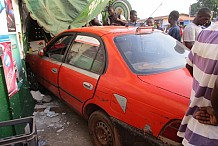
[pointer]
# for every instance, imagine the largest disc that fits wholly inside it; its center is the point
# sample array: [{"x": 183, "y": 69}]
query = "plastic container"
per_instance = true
[{"x": 29, "y": 139}]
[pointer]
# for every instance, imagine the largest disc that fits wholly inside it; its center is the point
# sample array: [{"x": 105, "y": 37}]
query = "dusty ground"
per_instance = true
[{"x": 59, "y": 125}]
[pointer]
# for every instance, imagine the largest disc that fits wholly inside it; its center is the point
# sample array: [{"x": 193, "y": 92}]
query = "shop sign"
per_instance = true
[{"x": 8, "y": 66}]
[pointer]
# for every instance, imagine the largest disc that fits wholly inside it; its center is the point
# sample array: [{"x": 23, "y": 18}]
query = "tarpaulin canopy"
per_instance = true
[{"x": 57, "y": 15}]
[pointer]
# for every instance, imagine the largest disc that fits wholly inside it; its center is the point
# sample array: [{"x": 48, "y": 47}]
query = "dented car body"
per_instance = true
[{"x": 125, "y": 81}]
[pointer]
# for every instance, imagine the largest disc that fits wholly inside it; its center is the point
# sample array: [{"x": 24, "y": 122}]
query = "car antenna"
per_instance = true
[{"x": 148, "y": 17}]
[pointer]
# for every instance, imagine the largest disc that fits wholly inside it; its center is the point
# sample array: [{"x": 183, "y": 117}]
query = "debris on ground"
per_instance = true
[
  {"x": 41, "y": 143},
  {"x": 50, "y": 113},
  {"x": 41, "y": 98},
  {"x": 59, "y": 130},
  {"x": 57, "y": 124},
  {"x": 36, "y": 95},
  {"x": 46, "y": 98}
]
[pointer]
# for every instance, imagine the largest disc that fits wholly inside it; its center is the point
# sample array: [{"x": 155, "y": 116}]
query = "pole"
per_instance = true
[
  {"x": 189, "y": 13},
  {"x": 156, "y": 9}
]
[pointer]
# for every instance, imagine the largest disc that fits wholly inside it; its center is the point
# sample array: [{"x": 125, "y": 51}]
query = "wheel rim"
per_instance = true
[{"x": 103, "y": 134}]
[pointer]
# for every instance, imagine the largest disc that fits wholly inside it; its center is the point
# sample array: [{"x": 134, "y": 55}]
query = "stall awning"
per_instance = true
[{"x": 57, "y": 15}]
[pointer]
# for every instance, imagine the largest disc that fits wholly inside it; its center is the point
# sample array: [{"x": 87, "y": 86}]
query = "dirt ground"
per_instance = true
[{"x": 59, "y": 125}]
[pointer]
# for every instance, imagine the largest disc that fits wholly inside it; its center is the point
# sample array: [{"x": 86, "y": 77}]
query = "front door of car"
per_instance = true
[
  {"x": 83, "y": 66},
  {"x": 52, "y": 61}
]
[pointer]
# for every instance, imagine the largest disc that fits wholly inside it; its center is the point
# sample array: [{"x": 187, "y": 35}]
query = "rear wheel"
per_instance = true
[{"x": 102, "y": 131}]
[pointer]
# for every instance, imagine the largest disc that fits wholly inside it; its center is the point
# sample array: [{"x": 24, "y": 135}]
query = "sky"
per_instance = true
[{"x": 146, "y": 8}]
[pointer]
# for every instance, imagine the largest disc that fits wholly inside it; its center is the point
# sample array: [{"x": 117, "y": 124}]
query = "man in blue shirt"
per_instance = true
[
  {"x": 174, "y": 30},
  {"x": 133, "y": 19}
]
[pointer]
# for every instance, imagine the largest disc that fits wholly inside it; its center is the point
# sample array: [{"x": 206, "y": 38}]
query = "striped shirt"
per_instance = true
[{"x": 203, "y": 57}]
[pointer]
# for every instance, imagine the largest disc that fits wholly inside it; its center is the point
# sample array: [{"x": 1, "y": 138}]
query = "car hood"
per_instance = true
[{"x": 177, "y": 81}]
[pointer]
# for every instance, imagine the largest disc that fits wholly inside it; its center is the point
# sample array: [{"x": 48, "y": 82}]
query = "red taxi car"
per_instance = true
[{"x": 130, "y": 83}]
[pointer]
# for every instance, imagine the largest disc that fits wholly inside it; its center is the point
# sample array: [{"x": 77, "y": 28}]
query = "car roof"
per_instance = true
[{"x": 103, "y": 30}]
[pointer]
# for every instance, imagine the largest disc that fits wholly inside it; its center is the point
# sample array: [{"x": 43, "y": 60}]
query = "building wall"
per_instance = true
[{"x": 183, "y": 18}]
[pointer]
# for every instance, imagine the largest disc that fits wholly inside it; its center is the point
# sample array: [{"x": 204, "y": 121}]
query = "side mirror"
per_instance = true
[{"x": 41, "y": 52}]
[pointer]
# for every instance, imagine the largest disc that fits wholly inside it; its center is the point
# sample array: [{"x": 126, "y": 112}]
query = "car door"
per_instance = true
[
  {"x": 83, "y": 66},
  {"x": 52, "y": 61}
]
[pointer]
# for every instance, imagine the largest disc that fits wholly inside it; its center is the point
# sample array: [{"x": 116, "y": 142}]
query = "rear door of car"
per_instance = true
[
  {"x": 81, "y": 71},
  {"x": 52, "y": 61}
]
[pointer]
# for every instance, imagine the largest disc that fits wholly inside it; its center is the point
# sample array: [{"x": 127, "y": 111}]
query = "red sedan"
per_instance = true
[{"x": 130, "y": 84}]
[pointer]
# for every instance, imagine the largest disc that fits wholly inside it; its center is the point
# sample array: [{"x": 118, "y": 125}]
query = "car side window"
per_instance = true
[
  {"x": 59, "y": 47},
  {"x": 87, "y": 54}
]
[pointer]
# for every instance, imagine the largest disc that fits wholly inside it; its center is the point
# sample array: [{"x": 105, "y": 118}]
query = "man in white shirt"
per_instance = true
[
  {"x": 199, "y": 126},
  {"x": 192, "y": 30}
]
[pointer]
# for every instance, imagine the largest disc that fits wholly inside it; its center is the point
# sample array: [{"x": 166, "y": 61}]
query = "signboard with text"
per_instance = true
[{"x": 8, "y": 66}]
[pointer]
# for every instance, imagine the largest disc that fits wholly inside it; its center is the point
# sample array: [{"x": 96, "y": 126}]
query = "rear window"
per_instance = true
[{"x": 151, "y": 53}]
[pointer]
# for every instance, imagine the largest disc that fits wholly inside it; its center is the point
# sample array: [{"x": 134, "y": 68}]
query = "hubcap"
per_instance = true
[{"x": 103, "y": 134}]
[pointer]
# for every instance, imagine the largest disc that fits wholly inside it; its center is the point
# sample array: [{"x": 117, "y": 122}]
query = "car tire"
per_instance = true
[
  {"x": 33, "y": 83},
  {"x": 42, "y": 89},
  {"x": 102, "y": 131}
]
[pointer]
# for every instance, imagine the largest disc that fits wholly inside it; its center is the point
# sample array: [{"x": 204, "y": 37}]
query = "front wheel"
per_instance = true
[
  {"x": 33, "y": 83},
  {"x": 102, "y": 131}
]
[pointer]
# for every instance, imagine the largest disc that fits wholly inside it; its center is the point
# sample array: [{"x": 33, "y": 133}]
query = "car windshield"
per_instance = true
[{"x": 152, "y": 52}]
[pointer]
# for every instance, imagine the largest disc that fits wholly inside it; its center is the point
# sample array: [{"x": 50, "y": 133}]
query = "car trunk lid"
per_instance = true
[{"x": 176, "y": 81}]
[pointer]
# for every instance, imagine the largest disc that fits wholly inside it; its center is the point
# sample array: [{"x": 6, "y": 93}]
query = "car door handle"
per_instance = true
[
  {"x": 54, "y": 70},
  {"x": 87, "y": 85}
]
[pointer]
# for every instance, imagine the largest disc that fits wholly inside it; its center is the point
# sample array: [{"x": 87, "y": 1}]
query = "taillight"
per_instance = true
[{"x": 169, "y": 133}]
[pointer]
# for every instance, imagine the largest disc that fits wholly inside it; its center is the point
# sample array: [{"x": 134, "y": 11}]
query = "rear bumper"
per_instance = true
[{"x": 131, "y": 136}]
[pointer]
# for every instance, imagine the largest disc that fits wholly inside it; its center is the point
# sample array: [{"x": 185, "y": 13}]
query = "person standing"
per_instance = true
[
  {"x": 157, "y": 23},
  {"x": 133, "y": 19},
  {"x": 174, "y": 29},
  {"x": 209, "y": 114},
  {"x": 192, "y": 30},
  {"x": 114, "y": 18},
  {"x": 199, "y": 125}
]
